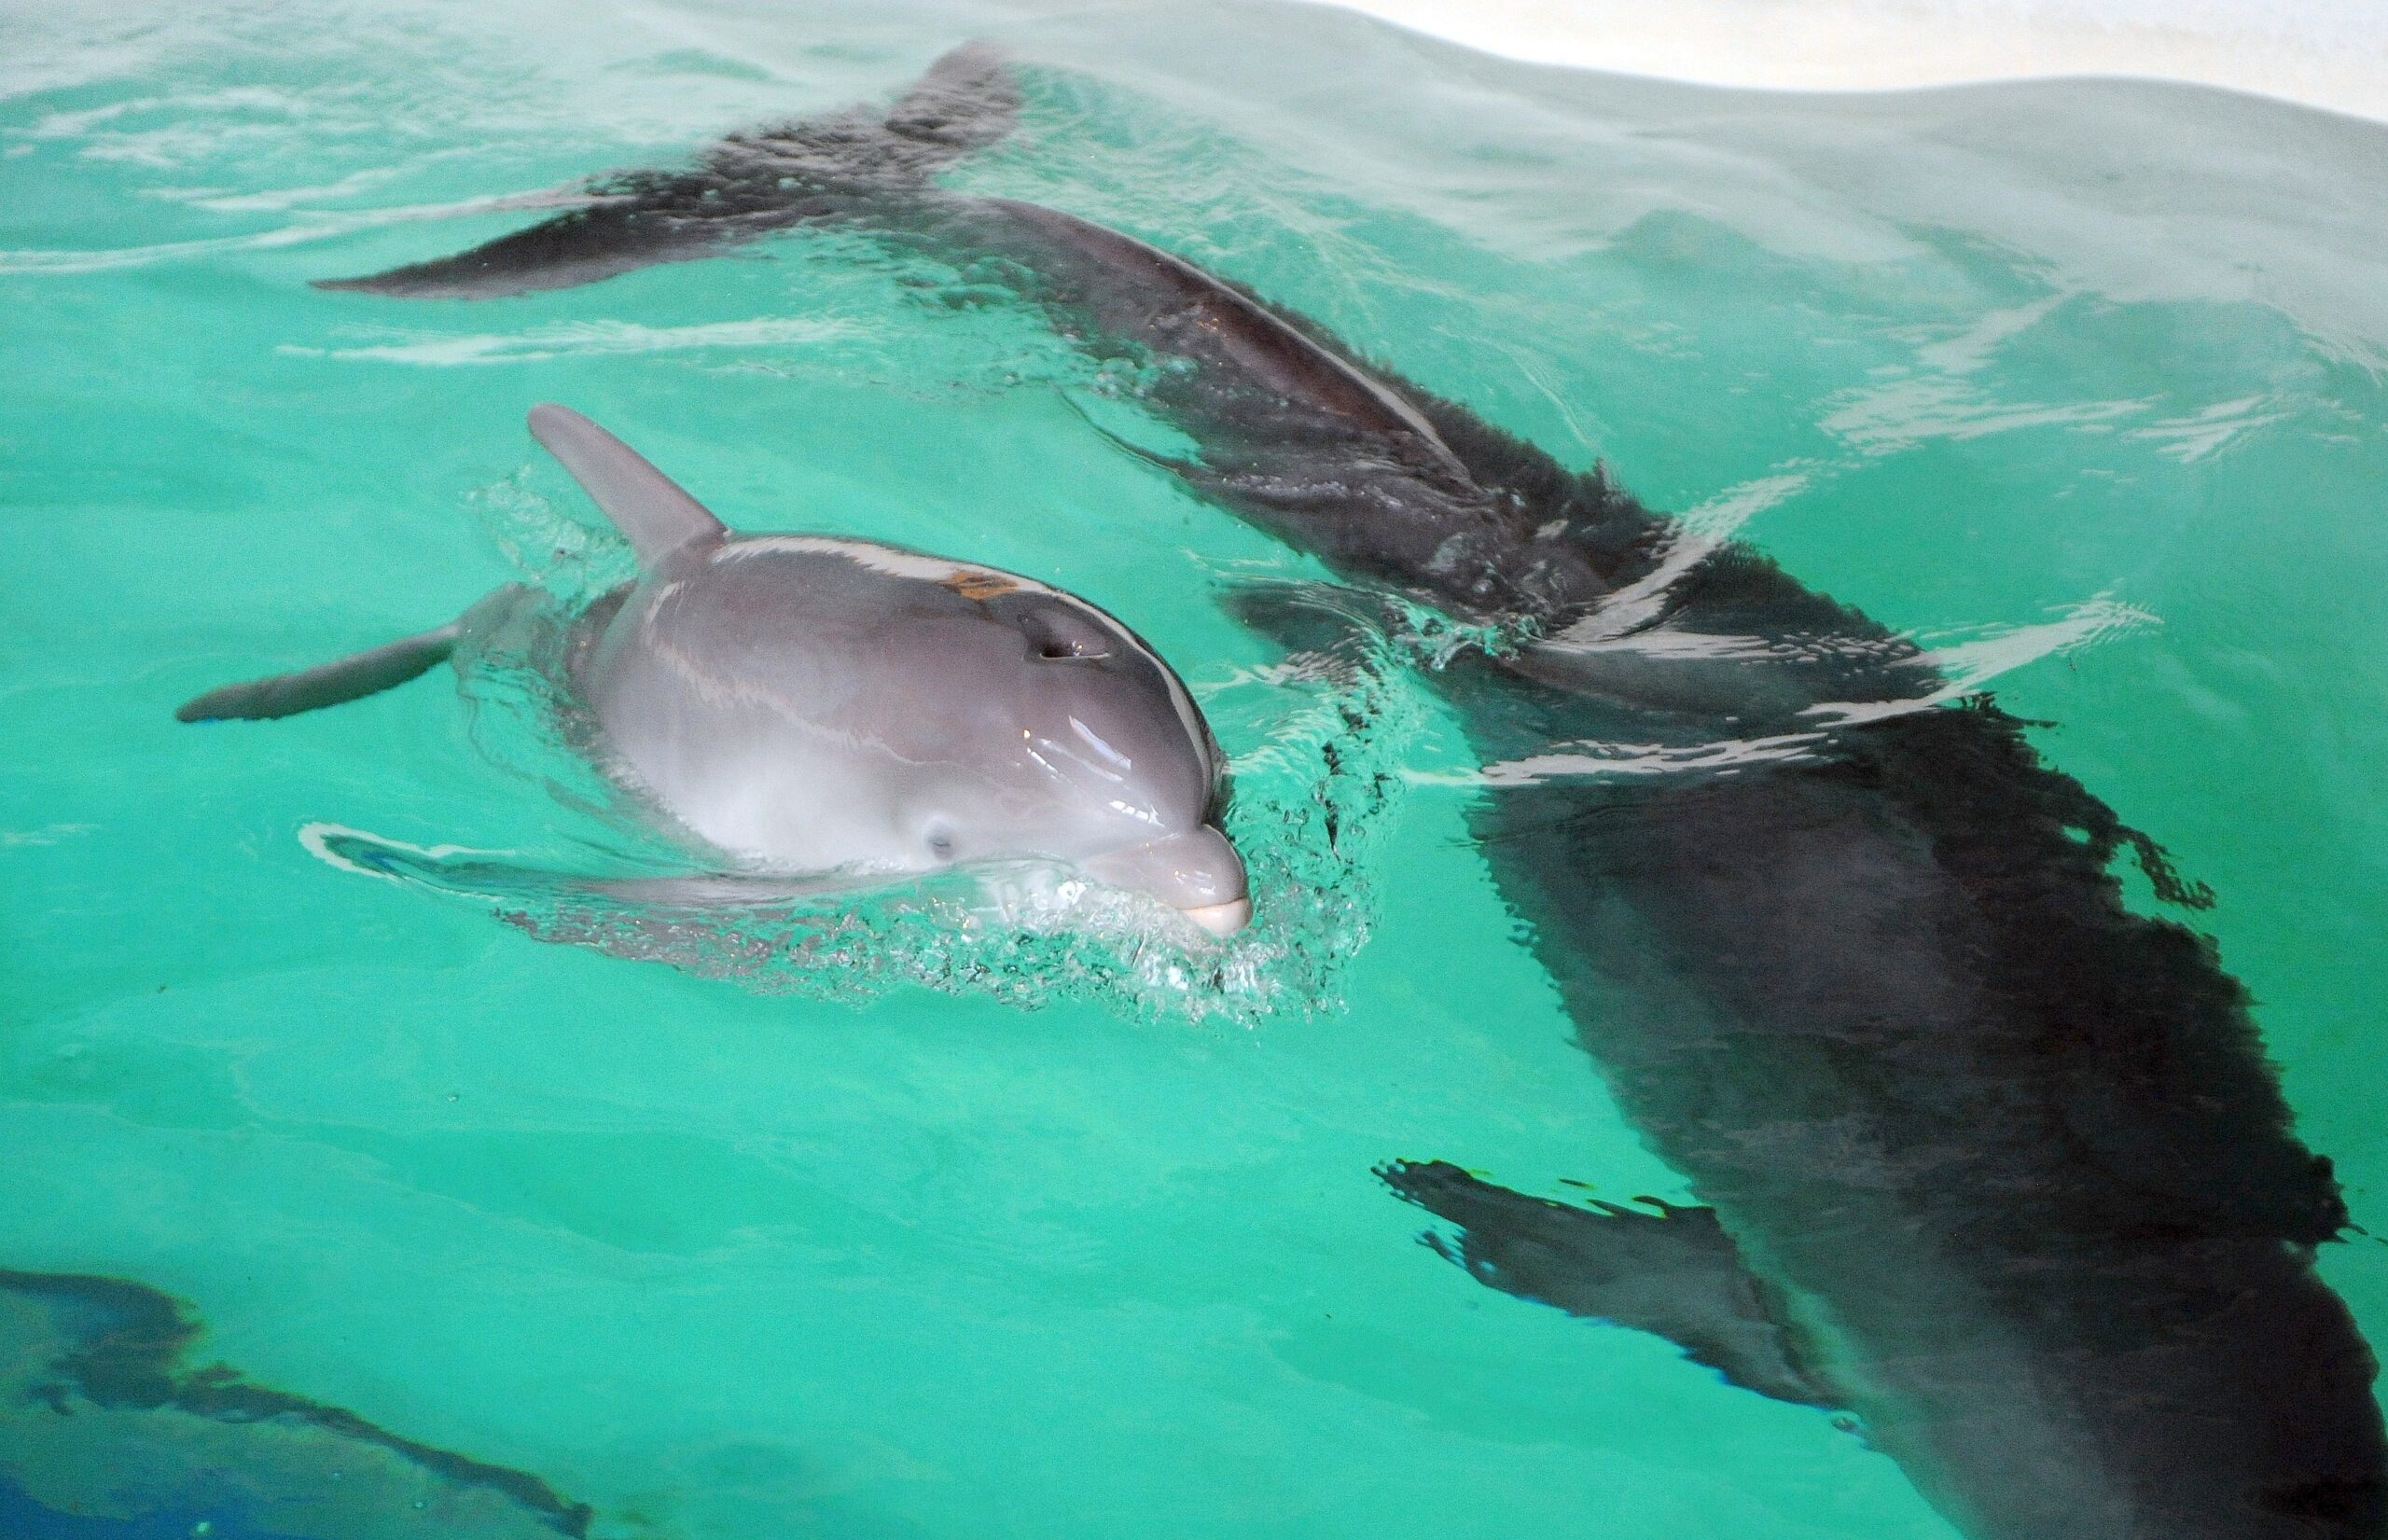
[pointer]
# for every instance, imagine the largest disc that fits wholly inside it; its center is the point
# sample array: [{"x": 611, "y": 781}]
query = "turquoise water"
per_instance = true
[{"x": 2081, "y": 383}]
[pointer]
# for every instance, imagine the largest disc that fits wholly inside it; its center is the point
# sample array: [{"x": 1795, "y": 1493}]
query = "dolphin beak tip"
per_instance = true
[{"x": 1222, "y": 920}]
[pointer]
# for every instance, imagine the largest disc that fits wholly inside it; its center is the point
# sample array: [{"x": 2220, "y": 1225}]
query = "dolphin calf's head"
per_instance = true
[
  {"x": 812, "y": 703},
  {"x": 1067, "y": 737}
]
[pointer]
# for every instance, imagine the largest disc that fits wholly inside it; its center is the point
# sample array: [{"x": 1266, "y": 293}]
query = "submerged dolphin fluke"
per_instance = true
[{"x": 863, "y": 163}]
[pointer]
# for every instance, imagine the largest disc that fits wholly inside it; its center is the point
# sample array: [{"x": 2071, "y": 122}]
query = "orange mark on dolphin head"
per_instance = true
[{"x": 978, "y": 585}]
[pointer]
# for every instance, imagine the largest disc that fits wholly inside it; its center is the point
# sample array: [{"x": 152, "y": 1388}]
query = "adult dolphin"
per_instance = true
[
  {"x": 1989, "y": 1160},
  {"x": 808, "y": 707}
]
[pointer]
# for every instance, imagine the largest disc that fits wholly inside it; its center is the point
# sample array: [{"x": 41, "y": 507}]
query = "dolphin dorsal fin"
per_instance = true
[{"x": 645, "y": 505}]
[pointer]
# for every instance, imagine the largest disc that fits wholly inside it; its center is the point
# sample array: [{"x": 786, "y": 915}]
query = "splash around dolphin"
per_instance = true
[{"x": 810, "y": 706}]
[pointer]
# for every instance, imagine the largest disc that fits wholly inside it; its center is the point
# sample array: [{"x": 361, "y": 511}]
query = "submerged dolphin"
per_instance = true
[
  {"x": 1991, "y": 1161},
  {"x": 809, "y": 706}
]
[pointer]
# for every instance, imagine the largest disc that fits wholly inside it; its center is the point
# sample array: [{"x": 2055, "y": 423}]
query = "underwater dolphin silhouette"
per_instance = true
[
  {"x": 806, "y": 705},
  {"x": 1987, "y": 1159}
]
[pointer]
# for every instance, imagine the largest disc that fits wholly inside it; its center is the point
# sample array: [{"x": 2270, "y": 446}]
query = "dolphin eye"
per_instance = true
[{"x": 939, "y": 838}]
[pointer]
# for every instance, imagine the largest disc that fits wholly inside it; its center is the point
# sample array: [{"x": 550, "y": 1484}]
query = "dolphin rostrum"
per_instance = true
[
  {"x": 806, "y": 705},
  {"x": 1989, "y": 1160}
]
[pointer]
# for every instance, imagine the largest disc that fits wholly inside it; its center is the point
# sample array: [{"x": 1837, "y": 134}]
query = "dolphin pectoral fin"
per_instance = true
[
  {"x": 1304, "y": 618},
  {"x": 1673, "y": 1272},
  {"x": 1096, "y": 415},
  {"x": 350, "y": 678},
  {"x": 650, "y": 509},
  {"x": 853, "y": 164},
  {"x": 717, "y": 891},
  {"x": 725, "y": 893}
]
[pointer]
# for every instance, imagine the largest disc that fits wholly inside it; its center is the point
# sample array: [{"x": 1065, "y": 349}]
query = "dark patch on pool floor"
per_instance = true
[
  {"x": 24, "y": 1517},
  {"x": 93, "y": 1382}
]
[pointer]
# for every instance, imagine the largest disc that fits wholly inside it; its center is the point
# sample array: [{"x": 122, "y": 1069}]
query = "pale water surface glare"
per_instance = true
[{"x": 519, "y": 1206}]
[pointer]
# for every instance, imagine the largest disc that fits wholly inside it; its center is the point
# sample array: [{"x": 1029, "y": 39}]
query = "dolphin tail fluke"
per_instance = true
[
  {"x": 618, "y": 232},
  {"x": 1672, "y": 1271},
  {"x": 346, "y": 679},
  {"x": 967, "y": 100},
  {"x": 856, "y": 164}
]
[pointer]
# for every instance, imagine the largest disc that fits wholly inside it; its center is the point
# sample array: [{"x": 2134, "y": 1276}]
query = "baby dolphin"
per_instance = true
[{"x": 810, "y": 704}]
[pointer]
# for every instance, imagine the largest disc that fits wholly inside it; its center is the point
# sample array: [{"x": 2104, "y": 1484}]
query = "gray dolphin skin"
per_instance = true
[
  {"x": 810, "y": 706},
  {"x": 1988, "y": 1161}
]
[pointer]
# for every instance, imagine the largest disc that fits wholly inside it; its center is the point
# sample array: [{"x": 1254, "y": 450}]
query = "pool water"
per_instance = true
[{"x": 2081, "y": 383}]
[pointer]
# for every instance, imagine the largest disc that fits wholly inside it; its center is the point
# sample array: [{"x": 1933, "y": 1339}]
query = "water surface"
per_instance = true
[{"x": 2081, "y": 383}]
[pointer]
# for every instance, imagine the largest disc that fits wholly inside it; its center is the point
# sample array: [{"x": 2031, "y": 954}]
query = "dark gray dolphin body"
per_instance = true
[{"x": 1991, "y": 1160}]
